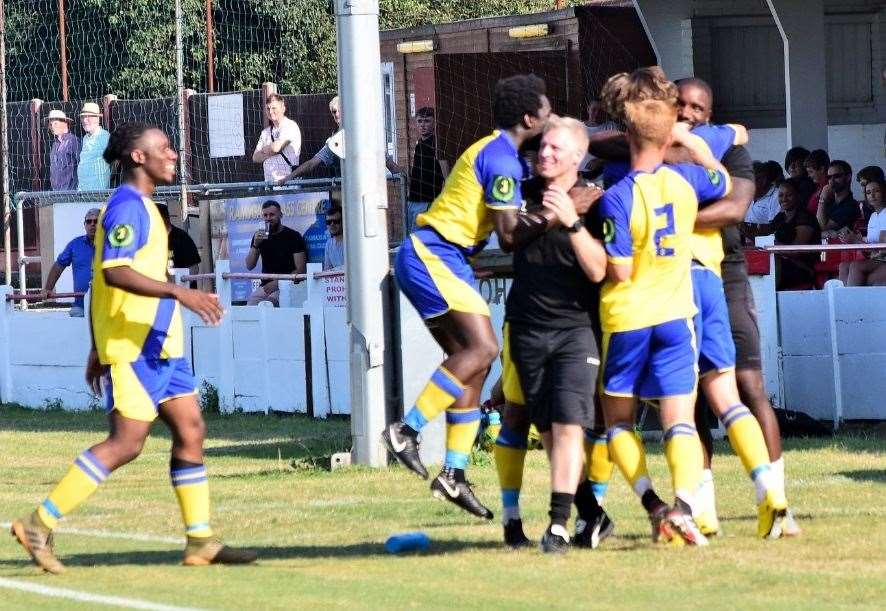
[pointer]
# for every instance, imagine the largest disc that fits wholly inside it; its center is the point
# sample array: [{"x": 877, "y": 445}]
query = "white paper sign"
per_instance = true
[{"x": 225, "y": 123}]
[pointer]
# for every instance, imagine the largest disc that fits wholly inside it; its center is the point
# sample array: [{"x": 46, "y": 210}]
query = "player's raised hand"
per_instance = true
[
  {"x": 584, "y": 196},
  {"x": 94, "y": 372},
  {"x": 558, "y": 201},
  {"x": 204, "y": 305}
]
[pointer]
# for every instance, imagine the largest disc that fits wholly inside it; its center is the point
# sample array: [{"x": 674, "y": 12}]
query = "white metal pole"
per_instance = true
[
  {"x": 365, "y": 200},
  {"x": 180, "y": 92},
  {"x": 786, "y": 49},
  {"x": 4, "y": 151}
]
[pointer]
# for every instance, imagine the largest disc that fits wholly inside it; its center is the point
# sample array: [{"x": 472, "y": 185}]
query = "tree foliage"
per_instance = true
[{"x": 128, "y": 48}]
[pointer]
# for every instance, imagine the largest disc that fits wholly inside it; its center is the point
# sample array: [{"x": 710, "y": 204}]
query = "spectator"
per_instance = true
[
  {"x": 334, "y": 253},
  {"x": 78, "y": 253},
  {"x": 93, "y": 172},
  {"x": 795, "y": 162},
  {"x": 330, "y": 155},
  {"x": 794, "y": 225},
  {"x": 279, "y": 145},
  {"x": 871, "y": 271},
  {"x": 282, "y": 251},
  {"x": 837, "y": 210},
  {"x": 64, "y": 154},
  {"x": 765, "y": 206},
  {"x": 864, "y": 176},
  {"x": 185, "y": 254},
  {"x": 427, "y": 173},
  {"x": 817, "y": 169}
]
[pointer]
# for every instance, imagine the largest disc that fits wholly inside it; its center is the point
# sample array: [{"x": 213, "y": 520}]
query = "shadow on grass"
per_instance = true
[
  {"x": 295, "y": 552},
  {"x": 866, "y": 475}
]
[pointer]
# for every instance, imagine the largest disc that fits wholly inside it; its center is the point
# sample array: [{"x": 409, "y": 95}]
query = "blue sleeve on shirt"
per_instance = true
[
  {"x": 126, "y": 225},
  {"x": 708, "y": 184},
  {"x": 615, "y": 210},
  {"x": 499, "y": 172},
  {"x": 718, "y": 137},
  {"x": 67, "y": 255}
]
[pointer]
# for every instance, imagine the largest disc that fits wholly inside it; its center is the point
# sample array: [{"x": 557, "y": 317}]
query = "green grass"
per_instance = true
[{"x": 320, "y": 534}]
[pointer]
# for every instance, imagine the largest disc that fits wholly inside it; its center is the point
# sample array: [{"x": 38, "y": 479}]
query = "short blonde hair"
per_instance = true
[
  {"x": 335, "y": 103},
  {"x": 577, "y": 130}
]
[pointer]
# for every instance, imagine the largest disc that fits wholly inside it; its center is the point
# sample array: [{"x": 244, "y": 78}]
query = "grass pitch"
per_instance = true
[{"x": 320, "y": 534}]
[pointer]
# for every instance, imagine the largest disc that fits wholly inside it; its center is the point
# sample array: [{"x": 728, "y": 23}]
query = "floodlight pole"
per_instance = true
[
  {"x": 4, "y": 151},
  {"x": 366, "y": 237},
  {"x": 182, "y": 108}
]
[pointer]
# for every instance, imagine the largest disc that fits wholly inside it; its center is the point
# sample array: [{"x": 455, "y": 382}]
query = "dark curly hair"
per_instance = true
[
  {"x": 122, "y": 143},
  {"x": 515, "y": 97}
]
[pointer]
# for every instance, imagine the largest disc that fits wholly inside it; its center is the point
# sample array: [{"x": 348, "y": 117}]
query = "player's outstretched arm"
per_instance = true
[
  {"x": 205, "y": 305},
  {"x": 505, "y": 223},
  {"x": 728, "y": 210},
  {"x": 697, "y": 149}
]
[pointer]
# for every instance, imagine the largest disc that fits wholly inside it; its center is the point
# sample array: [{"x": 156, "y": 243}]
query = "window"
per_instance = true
[{"x": 387, "y": 88}]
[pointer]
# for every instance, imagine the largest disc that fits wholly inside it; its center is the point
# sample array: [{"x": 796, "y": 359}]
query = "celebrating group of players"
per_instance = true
[{"x": 648, "y": 283}]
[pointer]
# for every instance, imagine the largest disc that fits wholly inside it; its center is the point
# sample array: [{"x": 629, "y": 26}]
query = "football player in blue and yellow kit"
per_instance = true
[
  {"x": 481, "y": 194},
  {"x": 137, "y": 355},
  {"x": 646, "y": 305}
]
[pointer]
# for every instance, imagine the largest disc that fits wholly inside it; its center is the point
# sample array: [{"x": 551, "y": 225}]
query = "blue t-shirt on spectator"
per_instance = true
[{"x": 78, "y": 253}]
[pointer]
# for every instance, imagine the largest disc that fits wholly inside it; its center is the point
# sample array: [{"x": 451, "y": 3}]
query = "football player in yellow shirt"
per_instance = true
[
  {"x": 137, "y": 357},
  {"x": 647, "y": 302},
  {"x": 432, "y": 268}
]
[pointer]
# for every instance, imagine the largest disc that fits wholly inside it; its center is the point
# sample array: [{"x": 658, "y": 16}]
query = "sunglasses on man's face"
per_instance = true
[{"x": 90, "y": 222}]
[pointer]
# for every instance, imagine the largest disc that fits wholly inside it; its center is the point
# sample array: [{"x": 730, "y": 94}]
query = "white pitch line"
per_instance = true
[
  {"x": 87, "y": 597},
  {"x": 107, "y": 534}
]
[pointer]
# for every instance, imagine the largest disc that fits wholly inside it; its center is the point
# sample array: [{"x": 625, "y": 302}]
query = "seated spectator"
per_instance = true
[
  {"x": 864, "y": 176},
  {"x": 817, "y": 169},
  {"x": 282, "y": 251},
  {"x": 79, "y": 254},
  {"x": 837, "y": 210},
  {"x": 795, "y": 162},
  {"x": 185, "y": 254},
  {"x": 334, "y": 253},
  {"x": 765, "y": 206},
  {"x": 794, "y": 225},
  {"x": 871, "y": 271},
  {"x": 93, "y": 172}
]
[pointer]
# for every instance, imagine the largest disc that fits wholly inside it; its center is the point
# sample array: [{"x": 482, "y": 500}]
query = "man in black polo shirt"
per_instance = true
[
  {"x": 282, "y": 251},
  {"x": 837, "y": 209},
  {"x": 548, "y": 318}
]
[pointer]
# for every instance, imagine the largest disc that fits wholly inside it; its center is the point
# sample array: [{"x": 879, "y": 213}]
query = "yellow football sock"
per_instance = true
[
  {"x": 78, "y": 484},
  {"x": 461, "y": 431},
  {"x": 599, "y": 464},
  {"x": 510, "y": 455},
  {"x": 441, "y": 391},
  {"x": 192, "y": 491},
  {"x": 626, "y": 450},
  {"x": 685, "y": 460},
  {"x": 747, "y": 441}
]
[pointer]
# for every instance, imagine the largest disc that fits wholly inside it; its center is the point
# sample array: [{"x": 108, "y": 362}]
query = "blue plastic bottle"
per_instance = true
[{"x": 407, "y": 542}]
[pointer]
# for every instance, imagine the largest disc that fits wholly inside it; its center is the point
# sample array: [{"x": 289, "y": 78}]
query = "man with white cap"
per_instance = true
[
  {"x": 93, "y": 172},
  {"x": 64, "y": 154}
]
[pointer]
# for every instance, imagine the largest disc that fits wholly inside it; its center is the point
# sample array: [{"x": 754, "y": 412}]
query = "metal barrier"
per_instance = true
[{"x": 36, "y": 199}]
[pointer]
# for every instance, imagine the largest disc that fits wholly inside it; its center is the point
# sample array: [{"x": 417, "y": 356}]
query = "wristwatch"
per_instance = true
[{"x": 576, "y": 226}]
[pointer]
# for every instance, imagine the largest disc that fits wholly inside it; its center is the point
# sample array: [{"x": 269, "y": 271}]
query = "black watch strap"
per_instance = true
[{"x": 576, "y": 226}]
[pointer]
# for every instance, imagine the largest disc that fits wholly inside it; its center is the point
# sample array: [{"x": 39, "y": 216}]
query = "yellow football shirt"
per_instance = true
[
  {"x": 129, "y": 327},
  {"x": 486, "y": 177},
  {"x": 649, "y": 218}
]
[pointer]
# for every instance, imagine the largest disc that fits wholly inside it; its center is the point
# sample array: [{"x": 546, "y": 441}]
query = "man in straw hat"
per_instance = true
[
  {"x": 93, "y": 172},
  {"x": 65, "y": 152}
]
